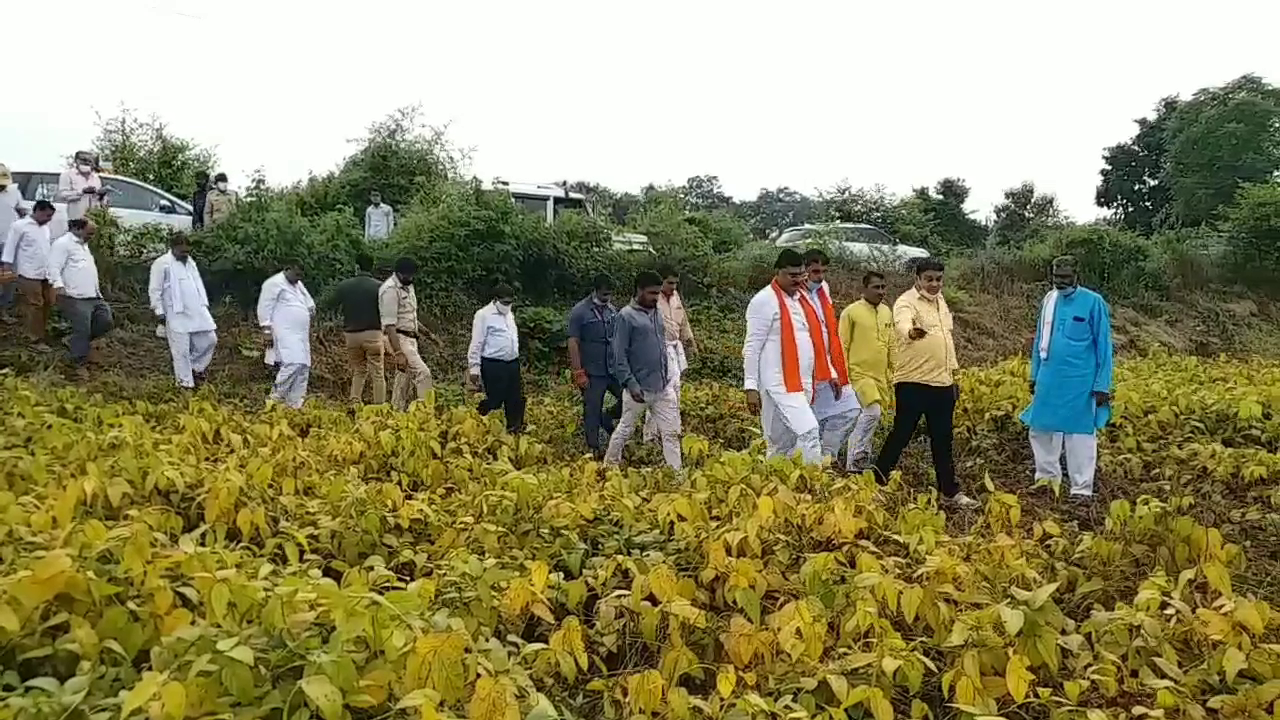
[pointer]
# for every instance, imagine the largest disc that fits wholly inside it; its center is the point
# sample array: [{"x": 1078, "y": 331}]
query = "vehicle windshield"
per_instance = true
[
  {"x": 532, "y": 204},
  {"x": 836, "y": 233},
  {"x": 564, "y": 204}
]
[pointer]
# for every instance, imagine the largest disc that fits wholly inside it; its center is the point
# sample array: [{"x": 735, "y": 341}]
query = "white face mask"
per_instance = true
[
  {"x": 502, "y": 307},
  {"x": 222, "y": 187},
  {"x": 84, "y": 168}
]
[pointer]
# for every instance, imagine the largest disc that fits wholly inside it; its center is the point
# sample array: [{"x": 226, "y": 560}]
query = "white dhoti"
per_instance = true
[
  {"x": 664, "y": 410},
  {"x": 192, "y": 352},
  {"x": 864, "y": 431},
  {"x": 1082, "y": 458},
  {"x": 836, "y": 418},
  {"x": 676, "y": 365},
  {"x": 290, "y": 386},
  {"x": 790, "y": 426}
]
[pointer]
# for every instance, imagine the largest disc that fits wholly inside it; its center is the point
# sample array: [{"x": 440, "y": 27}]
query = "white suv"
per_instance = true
[
  {"x": 133, "y": 202},
  {"x": 862, "y": 242}
]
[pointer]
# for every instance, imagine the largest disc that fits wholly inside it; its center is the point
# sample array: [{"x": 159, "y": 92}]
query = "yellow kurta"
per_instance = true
[{"x": 866, "y": 331}]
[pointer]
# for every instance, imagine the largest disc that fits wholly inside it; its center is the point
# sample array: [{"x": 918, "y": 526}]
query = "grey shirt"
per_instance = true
[
  {"x": 639, "y": 349},
  {"x": 592, "y": 326}
]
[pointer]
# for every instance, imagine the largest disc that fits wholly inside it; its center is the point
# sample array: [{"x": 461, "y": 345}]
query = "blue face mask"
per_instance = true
[
  {"x": 1067, "y": 291},
  {"x": 815, "y": 284}
]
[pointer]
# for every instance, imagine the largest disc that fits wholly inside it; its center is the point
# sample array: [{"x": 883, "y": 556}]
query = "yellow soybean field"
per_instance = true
[{"x": 196, "y": 560}]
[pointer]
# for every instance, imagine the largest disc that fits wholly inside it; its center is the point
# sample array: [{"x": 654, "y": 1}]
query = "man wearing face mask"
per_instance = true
[
  {"x": 591, "y": 360},
  {"x": 398, "y": 307},
  {"x": 835, "y": 405},
  {"x": 80, "y": 187},
  {"x": 493, "y": 359},
  {"x": 219, "y": 202},
  {"x": 1071, "y": 365},
  {"x": 924, "y": 380}
]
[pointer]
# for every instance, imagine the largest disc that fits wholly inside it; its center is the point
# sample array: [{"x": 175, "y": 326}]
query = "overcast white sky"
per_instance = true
[{"x": 800, "y": 93}]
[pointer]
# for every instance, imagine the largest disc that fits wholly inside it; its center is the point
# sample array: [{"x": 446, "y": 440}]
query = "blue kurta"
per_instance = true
[{"x": 1078, "y": 365}]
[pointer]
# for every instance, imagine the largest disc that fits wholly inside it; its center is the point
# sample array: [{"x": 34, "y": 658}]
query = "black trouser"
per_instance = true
[
  {"x": 503, "y": 389},
  {"x": 937, "y": 404},
  {"x": 593, "y": 415}
]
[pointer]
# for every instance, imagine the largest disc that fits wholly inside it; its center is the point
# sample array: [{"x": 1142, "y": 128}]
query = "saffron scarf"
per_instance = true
[
  {"x": 833, "y": 337},
  {"x": 790, "y": 352}
]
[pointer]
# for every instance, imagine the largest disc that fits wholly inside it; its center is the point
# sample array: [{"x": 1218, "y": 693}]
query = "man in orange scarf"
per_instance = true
[
  {"x": 784, "y": 358},
  {"x": 837, "y": 412}
]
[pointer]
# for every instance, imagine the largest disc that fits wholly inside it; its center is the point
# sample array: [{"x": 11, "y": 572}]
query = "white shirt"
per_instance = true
[
  {"x": 27, "y": 249},
  {"x": 762, "y": 348},
  {"x": 285, "y": 309},
  {"x": 72, "y": 268},
  {"x": 379, "y": 221},
  {"x": 71, "y": 185},
  {"x": 493, "y": 336},
  {"x": 177, "y": 294},
  {"x": 10, "y": 200}
]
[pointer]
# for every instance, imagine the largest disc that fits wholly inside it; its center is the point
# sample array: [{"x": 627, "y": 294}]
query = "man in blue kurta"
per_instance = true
[{"x": 1070, "y": 380}]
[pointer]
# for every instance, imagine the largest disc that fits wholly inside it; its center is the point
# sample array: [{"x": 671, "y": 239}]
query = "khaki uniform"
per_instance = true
[
  {"x": 398, "y": 306},
  {"x": 218, "y": 206}
]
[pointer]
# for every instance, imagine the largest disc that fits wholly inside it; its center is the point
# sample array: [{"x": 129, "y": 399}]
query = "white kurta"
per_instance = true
[
  {"x": 787, "y": 417},
  {"x": 177, "y": 293},
  {"x": 286, "y": 309},
  {"x": 825, "y": 404}
]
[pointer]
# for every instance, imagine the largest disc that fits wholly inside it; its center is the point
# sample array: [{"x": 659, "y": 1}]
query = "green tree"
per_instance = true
[
  {"x": 777, "y": 209},
  {"x": 1134, "y": 184},
  {"x": 1252, "y": 224},
  {"x": 1024, "y": 214},
  {"x": 1221, "y": 139},
  {"x": 704, "y": 192},
  {"x": 871, "y": 206},
  {"x": 401, "y": 156},
  {"x": 951, "y": 225},
  {"x": 145, "y": 149}
]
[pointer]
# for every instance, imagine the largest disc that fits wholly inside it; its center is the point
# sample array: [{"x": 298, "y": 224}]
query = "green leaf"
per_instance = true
[
  {"x": 243, "y": 653},
  {"x": 1233, "y": 661},
  {"x": 142, "y": 692},
  {"x": 321, "y": 692},
  {"x": 1013, "y": 619},
  {"x": 749, "y": 602}
]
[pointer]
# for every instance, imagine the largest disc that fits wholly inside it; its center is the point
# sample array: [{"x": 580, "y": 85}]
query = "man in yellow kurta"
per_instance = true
[{"x": 866, "y": 331}]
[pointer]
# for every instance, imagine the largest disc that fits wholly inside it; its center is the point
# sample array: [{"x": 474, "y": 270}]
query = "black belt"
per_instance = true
[
  {"x": 496, "y": 360},
  {"x": 407, "y": 333}
]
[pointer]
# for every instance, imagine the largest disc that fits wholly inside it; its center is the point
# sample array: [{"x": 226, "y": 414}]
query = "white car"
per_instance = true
[
  {"x": 548, "y": 201},
  {"x": 862, "y": 242},
  {"x": 133, "y": 202}
]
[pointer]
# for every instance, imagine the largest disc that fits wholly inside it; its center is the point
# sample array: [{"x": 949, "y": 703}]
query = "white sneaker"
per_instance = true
[{"x": 964, "y": 502}]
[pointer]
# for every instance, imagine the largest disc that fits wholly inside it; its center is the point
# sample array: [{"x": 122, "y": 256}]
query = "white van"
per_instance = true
[
  {"x": 132, "y": 202},
  {"x": 549, "y": 201}
]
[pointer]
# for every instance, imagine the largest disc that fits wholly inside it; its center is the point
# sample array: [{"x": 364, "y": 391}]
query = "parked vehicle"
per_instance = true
[
  {"x": 862, "y": 242},
  {"x": 132, "y": 202},
  {"x": 549, "y": 201}
]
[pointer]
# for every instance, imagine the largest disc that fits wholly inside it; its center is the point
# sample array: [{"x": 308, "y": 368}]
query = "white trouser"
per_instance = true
[
  {"x": 675, "y": 367},
  {"x": 834, "y": 429},
  {"x": 664, "y": 408},
  {"x": 290, "y": 386},
  {"x": 864, "y": 431},
  {"x": 780, "y": 415},
  {"x": 414, "y": 382},
  {"x": 192, "y": 353},
  {"x": 1082, "y": 458}
]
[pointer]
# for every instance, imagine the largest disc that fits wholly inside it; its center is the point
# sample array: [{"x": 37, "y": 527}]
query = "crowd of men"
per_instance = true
[{"x": 819, "y": 380}]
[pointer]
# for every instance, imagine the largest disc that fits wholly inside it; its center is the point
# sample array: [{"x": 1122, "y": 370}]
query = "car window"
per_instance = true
[
  {"x": 128, "y": 196},
  {"x": 563, "y": 204},
  {"x": 531, "y": 204},
  {"x": 869, "y": 235},
  {"x": 37, "y": 186}
]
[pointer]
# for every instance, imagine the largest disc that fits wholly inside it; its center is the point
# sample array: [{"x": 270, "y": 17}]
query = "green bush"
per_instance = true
[
  {"x": 1117, "y": 262},
  {"x": 1252, "y": 225}
]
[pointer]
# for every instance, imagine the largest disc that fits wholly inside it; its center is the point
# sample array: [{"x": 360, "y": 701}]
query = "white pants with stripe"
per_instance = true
[
  {"x": 290, "y": 387},
  {"x": 858, "y": 456},
  {"x": 1082, "y": 458}
]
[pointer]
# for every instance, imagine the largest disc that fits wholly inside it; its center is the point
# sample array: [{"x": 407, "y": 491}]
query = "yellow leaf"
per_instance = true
[
  {"x": 1233, "y": 661},
  {"x": 173, "y": 700},
  {"x": 1012, "y": 618},
  {"x": 726, "y": 681},
  {"x": 322, "y": 693},
  {"x": 1246, "y": 613},
  {"x": 142, "y": 693},
  {"x": 1218, "y": 577},
  {"x": 1018, "y": 678},
  {"x": 912, "y": 595},
  {"x": 494, "y": 699},
  {"x": 9, "y": 619},
  {"x": 764, "y": 507},
  {"x": 839, "y": 685},
  {"x": 879, "y": 705},
  {"x": 538, "y": 574},
  {"x": 569, "y": 638},
  {"x": 644, "y": 691},
  {"x": 662, "y": 582},
  {"x": 1035, "y": 598}
]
